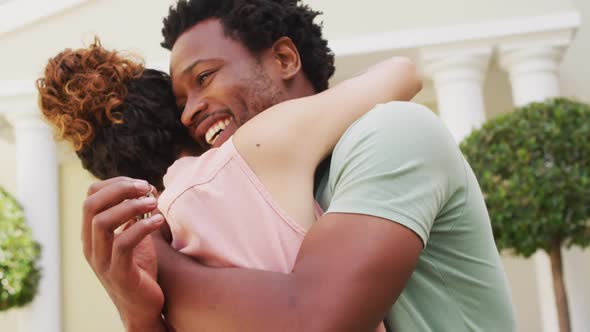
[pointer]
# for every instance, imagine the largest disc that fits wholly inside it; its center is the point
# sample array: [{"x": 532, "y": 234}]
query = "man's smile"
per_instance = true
[
  {"x": 215, "y": 130},
  {"x": 210, "y": 127}
]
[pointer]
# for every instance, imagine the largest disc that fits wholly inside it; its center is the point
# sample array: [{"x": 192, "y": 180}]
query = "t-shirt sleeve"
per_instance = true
[{"x": 398, "y": 162}]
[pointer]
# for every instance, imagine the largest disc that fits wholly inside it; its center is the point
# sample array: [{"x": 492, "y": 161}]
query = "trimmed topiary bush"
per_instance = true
[
  {"x": 19, "y": 254},
  {"x": 533, "y": 166}
]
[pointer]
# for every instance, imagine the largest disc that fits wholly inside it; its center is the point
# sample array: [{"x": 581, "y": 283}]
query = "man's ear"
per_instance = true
[{"x": 287, "y": 57}]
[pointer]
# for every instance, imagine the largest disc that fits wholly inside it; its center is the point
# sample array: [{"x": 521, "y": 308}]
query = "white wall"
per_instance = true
[
  {"x": 345, "y": 18},
  {"x": 575, "y": 73},
  {"x": 132, "y": 25}
]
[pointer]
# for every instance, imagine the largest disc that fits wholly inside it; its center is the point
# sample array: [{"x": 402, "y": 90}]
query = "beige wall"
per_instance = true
[
  {"x": 575, "y": 73},
  {"x": 86, "y": 305},
  {"x": 522, "y": 282},
  {"x": 9, "y": 320}
]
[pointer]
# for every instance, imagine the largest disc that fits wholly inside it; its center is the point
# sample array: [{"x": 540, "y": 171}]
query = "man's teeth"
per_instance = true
[{"x": 215, "y": 130}]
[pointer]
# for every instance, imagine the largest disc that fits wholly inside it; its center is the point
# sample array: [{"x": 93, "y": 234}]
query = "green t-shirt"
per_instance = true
[{"x": 399, "y": 162}]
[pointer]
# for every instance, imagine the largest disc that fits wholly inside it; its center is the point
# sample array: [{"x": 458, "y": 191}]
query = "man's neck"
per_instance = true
[{"x": 300, "y": 88}]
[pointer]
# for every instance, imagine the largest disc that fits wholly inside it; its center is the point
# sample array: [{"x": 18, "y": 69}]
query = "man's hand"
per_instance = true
[{"x": 124, "y": 262}]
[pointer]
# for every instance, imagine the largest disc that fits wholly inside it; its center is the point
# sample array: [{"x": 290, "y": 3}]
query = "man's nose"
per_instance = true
[{"x": 191, "y": 111}]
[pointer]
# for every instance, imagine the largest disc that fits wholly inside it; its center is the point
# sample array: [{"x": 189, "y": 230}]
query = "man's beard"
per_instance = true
[{"x": 261, "y": 94}]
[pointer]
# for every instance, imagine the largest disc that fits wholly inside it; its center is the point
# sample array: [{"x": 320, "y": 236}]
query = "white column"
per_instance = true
[
  {"x": 544, "y": 280},
  {"x": 458, "y": 79},
  {"x": 37, "y": 191},
  {"x": 533, "y": 71},
  {"x": 534, "y": 76}
]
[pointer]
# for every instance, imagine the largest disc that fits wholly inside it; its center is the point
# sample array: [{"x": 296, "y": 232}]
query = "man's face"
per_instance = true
[{"x": 219, "y": 84}]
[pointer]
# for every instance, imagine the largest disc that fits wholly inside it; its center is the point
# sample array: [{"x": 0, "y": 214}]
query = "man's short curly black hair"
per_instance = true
[{"x": 258, "y": 24}]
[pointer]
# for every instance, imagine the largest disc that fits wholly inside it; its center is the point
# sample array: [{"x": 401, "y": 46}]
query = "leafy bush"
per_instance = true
[
  {"x": 19, "y": 254},
  {"x": 533, "y": 166}
]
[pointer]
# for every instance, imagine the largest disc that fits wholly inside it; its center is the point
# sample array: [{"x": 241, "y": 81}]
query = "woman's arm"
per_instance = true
[{"x": 302, "y": 132}]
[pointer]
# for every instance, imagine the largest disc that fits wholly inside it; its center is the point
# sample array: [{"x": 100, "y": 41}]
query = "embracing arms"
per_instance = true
[
  {"x": 350, "y": 269},
  {"x": 348, "y": 274},
  {"x": 352, "y": 265},
  {"x": 356, "y": 259}
]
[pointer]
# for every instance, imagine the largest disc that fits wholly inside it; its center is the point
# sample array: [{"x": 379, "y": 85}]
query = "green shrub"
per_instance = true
[
  {"x": 19, "y": 254},
  {"x": 533, "y": 166}
]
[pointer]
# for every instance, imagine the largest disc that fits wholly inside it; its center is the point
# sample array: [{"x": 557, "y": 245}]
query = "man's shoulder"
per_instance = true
[
  {"x": 402, "y": 142},
  {"x": 388, "y": 114},
  {"x": 395, "y": 126},
  {"x": 398, "y": 154}
]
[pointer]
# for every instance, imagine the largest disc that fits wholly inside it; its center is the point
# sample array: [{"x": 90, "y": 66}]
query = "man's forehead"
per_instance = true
[{"x": 204, "y": 40}]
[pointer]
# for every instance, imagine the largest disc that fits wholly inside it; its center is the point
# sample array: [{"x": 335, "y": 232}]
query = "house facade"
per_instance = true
[{"x": 478, "y": 58}]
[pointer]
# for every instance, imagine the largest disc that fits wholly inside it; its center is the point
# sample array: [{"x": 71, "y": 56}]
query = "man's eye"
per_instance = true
[{"x": 203, "y": 77}]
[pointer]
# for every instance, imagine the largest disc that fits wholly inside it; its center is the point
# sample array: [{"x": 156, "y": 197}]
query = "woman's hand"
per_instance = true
[{"x": 125, "y": 262}]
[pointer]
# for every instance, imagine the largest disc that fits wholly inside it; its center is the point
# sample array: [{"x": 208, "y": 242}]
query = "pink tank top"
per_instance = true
[{"x": 220, "y": 213}]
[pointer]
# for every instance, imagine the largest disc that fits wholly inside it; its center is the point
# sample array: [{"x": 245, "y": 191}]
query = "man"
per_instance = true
[{"x": 406, "y": 234}]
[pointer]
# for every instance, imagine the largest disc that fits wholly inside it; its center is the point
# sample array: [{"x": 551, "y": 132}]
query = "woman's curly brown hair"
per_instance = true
[
  {"x": 120, "y": 117},
  {"x": 83, "y": 88}
]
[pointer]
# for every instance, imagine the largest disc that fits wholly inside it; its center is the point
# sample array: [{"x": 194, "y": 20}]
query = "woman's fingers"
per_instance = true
[
  {"x": 105, "y": 224},
  {"x": 114, "y": 193},
  {"x": 125, "y": 243},
  {"x": 97, "y": 186},
  {"x": 98, "y": 209}
]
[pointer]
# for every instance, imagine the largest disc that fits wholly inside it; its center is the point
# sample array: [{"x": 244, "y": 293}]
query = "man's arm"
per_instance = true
[{"x": 350, "y": 270}]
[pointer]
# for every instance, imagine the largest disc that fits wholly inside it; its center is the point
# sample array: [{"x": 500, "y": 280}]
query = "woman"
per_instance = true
[{"x": 248, "y": 203}]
